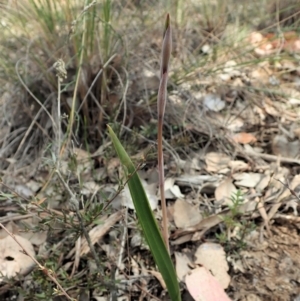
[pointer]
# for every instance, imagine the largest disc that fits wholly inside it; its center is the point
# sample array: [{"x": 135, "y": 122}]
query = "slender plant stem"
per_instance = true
[
  {"x": 162, "y": 182},
  {"x": 58, "y": 123},
  {"x": 82, "y": 54},
  {"x": 161, "y": 104}
]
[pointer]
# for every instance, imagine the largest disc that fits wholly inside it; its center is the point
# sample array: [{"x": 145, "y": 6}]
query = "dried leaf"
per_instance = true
[
  {"x": 112, "y": 166},
  {"x": 12, "y": 258},
  {"x": 238, "y": 165},
  {"x": 244, "y": 138},
  {"x": 269, "y": 108},
  {"x": 263, "y": 183},
  {"x": 159, "y": 277},
  {"x": 24, "y": 191},
  {"x": 185, "y": 215},
  {"x": 270, "y": 43},
  {"x": 99, "y": 231},
  {"x": 172, "y": 191},
  {"x": 216, "y": 162},
  {"x": 213, "y": 257},
  {"x": 198, "y": 180},
  {"x": 282, "y": 147},
  {"x": 250, "y": 179},
  {"x": 183, "y": 264},
  {"x": 225, "y": 191},
  {"x": 203, "y": 286},
  {"x": 233, "y": 124},
  {"x": 293, "y": 186},
  {"x": 83, "y": 160}
]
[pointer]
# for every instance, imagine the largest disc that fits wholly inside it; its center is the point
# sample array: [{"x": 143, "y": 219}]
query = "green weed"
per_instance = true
[{"x": 235, "y": 227}]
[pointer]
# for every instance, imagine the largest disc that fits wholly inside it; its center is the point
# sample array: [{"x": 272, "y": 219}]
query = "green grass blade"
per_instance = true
[{"x": 147, "y": 221}]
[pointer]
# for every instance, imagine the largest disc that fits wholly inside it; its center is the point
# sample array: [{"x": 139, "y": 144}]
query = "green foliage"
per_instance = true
[
  {"x": 148, "y": 222},
  {"x": 234, "y": 223},
  {"x": 237, "y": 200},
  {"x": 149, "y": 130}
]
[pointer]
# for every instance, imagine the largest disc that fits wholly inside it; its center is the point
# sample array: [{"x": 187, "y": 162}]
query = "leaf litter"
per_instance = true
[{"x": 245, "y": 121}]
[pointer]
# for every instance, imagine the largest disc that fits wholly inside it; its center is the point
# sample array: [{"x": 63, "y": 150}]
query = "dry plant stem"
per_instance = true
[
  {"x": 290, "y": 218},
  {"x": 162, "y": 180},
  {"x": 123, "y": 101},
  {"x": 161, "y": 105},
  {"x": 83, "y": 44},
  {"x": 47, "y": 272},
  {"x": 271, "y": 158},
  {"x": 58, "y": 125},
  {"x": 61, "y": 74},
  {"x": 32, "y": 95},
  {"x": 86, "y": 8},
  {"x": 77, "y": 256},
  {"x": 34, "y": 121},
  {"x": 94, "y": 82},
  {"x": 293, "y": 192},
  {"x": 15, "y": 217},
  {"x": 28, "y": 132}
]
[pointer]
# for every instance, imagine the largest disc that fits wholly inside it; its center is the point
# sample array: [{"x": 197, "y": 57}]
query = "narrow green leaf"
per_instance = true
[{"x": 147, "y": 221}]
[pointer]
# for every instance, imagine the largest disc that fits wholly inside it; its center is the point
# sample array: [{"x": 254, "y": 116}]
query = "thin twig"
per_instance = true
[
  {"x": 271, "y": 158},
  {"x": 31, "y": 94},
  {"x": 88, "y": 93},
  {"x": 293, "y": 192}
]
